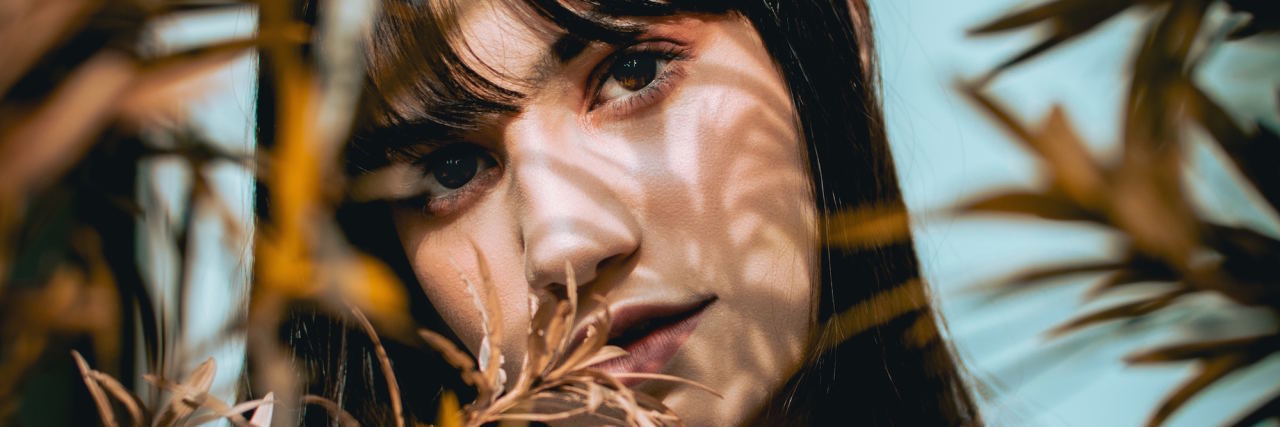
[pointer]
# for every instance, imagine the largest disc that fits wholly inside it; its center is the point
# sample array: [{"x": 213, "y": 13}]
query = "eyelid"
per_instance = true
[
  {"x": 439, "y": 205},
  {"x": 460, "y": 198},
  {"x": 668, "y": 49}
]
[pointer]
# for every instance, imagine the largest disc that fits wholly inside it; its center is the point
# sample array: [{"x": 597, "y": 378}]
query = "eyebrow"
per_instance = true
[{"x": 565, "y": 49}]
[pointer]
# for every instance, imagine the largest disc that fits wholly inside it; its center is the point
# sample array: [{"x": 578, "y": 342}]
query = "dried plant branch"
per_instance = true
[
  {"x": 556, "y": 380},
  {"x": 868, "y": 227},
  {"x": 95, "y": 390},
  {"x": 881, "y": 308},
  {"x": 393, "y": 387},
  {"x": 263, "y": 409},
  {"x": 343, "y": 417},
  {"x": 1211, "y": 370},
  {"x": 124, "y": 396}
]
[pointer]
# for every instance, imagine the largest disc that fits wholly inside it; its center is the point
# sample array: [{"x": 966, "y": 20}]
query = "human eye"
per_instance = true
[
  {"x": 637, "y": 76},
  {"x": 453, "y": 176}
]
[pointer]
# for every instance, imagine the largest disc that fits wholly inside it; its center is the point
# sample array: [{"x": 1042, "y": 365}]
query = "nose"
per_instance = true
[{"x": 571, "y": 206}]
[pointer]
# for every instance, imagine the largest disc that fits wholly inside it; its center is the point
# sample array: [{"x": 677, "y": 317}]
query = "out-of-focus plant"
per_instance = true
[
  {"x": 1140, "y": 196},
  {"x": 188, "y": 397},
  {"x": 79, "y": 86},
  {"x": 80, "y": 92}
]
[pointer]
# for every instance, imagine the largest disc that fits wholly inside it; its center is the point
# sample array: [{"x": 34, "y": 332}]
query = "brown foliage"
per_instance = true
[{"x": 1140, "y": 197}]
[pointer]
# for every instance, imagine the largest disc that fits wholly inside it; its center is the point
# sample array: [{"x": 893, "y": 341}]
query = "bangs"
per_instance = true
[{"x": 421, "y": 81}]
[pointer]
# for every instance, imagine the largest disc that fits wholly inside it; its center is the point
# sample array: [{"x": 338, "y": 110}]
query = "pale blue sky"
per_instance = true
[{"x": 946, "y": 152}]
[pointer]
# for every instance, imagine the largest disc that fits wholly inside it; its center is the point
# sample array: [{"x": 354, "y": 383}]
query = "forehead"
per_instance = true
[
  {"x": 439, "y": 65},
  {"x": 504, "y": 40}
]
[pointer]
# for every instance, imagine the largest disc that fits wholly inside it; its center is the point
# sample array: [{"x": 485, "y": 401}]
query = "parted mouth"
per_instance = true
[{"x": 651, "y": 334}]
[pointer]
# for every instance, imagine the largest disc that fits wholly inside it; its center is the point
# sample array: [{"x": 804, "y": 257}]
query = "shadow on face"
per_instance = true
[{"x": 666, "y": 169}]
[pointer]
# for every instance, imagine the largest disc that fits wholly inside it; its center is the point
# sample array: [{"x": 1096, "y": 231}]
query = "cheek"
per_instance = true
[
  {"x": 732, "y": 137},
  {"x": 444, "y": 253}
]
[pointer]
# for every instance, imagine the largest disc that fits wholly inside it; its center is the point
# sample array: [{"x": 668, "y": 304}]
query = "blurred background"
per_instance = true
[{"x": 949, "y": 152}]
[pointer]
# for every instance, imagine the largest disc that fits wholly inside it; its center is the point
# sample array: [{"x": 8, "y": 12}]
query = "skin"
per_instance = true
[{"x": 698, "y": 190}]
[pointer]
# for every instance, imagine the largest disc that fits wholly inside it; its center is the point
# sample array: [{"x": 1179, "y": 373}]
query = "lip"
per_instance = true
[{"x": 651, "y": 334}]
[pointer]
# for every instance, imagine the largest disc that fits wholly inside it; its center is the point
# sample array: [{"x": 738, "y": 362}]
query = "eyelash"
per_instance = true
[
  {"x": 668, "y": 51},
  {"x": 442, "y": 205}
]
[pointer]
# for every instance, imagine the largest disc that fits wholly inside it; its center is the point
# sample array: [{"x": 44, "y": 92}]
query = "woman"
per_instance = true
[{"x": 680, "y": 158}]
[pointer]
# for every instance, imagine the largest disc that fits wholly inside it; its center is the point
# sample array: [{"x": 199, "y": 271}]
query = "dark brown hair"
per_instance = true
[{"x": 825, "y": 51}]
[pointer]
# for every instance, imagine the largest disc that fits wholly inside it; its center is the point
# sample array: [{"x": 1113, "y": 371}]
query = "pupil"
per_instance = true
[
  {"x": 635, "y": 73},
  {"x": 454, "y": 172}
]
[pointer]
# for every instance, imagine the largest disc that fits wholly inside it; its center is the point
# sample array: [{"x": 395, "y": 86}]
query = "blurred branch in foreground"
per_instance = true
[{"x": 1141, "y": 196}]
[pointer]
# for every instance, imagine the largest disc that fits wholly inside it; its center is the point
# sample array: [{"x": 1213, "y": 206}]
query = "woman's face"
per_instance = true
[{"x": 668, "y": 172}]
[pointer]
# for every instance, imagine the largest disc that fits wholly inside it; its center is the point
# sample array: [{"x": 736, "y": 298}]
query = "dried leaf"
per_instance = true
[
  {"x": 547, "y": 319},
  {"x": 571, "y": 288},
  {"x": 187, "y": 396},
  {"x": 1074, "y": 170},
  {"x": 393, "y": 387},
  {"x": 30, "y": 36},
  {"x": 557, "y": 331},
  {"x": 265, "y": 408},
  {"x": 1127, "y": 310},
  {"x": 1020, "y": 281},
  {"x": 596, "y": 337},
  {"x": 1211, "y": 371},
  {"x": 669, "y": 378},
  {"x": 877, "y": 310},
  {"x": 574, "y": 410},
  {"x": 1023, "y": 18},
  {"x": 1255, "y": 345},
  {"x": 1061, "y": 10},
  {"x": 605, "y": 354},
  {"x": 450, "y": 415},
  {"x": 375, "y": 290},
  {"x": 53, "y": 137},
  {"x": 1002, "y": 116},
  {"x": 868, "y": 227},
  {"x": 923, "y": 331},
  {"x": 595, "y": 396},
  {"x": 167, "y": 81},
  {"x": 123, "y": 395},
  {"x": 490, "y": 360},
  {"x": 235, "y": 414},
  {"x": 343, "y": 418},
  {"x": 1067, "y": 18},
  {"x": 1136, "y": 269},
  {"x": 99, "y": 397},
  {"x": 452, "y": 354},
  {"x": 1249, "y": 153}
]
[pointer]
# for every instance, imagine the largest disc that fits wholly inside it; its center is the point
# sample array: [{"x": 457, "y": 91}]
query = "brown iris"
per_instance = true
[{"x": 635, "y": 72}]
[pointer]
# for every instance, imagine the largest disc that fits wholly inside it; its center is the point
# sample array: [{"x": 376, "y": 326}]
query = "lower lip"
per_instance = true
[{"x": 651, "y": 353}]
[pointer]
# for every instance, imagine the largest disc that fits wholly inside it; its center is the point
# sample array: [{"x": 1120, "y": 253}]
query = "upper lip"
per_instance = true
[{"x": 633, "y": 320}]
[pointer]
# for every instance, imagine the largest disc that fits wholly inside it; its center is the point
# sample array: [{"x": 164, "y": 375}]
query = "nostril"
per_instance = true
[{"x": 612, "y": 263}]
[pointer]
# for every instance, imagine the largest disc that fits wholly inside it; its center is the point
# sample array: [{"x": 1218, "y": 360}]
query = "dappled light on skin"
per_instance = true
[
  {"x": 698, "y": 196},
  {"x": 703, "y": 194}
]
